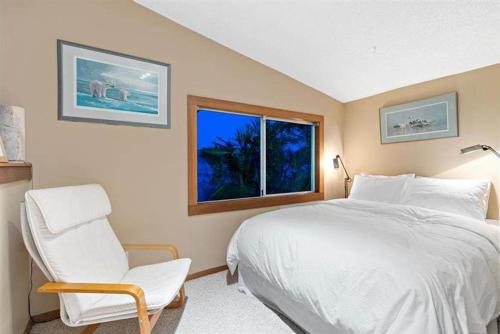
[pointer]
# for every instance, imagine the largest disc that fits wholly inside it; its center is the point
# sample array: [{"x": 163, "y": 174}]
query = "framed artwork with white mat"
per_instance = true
[{"x": 97, "y": 85}]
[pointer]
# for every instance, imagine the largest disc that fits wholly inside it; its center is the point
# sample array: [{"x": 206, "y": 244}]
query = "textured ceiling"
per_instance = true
[{"x": 349, "y": 49}]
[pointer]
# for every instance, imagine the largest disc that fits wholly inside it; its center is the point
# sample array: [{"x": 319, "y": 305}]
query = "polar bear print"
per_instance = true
[
  {"x": 123, "y": 94},
  {"x": 98, "y": 88}
]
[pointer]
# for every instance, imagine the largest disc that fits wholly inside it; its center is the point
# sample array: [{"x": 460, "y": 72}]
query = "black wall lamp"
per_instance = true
[
  {"x": 478, "y": 147},
  {"x": 347, "y": 179}
]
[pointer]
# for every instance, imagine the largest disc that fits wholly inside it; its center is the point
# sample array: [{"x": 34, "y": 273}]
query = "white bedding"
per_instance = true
[{"x": 351, "y": 266}]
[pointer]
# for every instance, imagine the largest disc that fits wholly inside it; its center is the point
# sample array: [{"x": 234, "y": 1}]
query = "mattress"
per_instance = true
[{"x": 351, "y": 266}]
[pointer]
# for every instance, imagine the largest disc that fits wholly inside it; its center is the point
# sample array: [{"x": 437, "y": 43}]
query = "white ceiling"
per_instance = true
[{"x": 349, "y": 49}]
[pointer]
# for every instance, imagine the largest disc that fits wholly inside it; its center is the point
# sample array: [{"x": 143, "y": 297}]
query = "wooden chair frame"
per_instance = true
[{"x": 146, "y": 321}]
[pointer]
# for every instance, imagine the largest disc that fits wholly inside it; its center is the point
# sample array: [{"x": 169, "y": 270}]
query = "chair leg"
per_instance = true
[
  {"x": 180, "y": 300},
  {"x": 90, "y": 329},
  {"x": 153, "y": 318},
  {"x": 144, "y": 323}
]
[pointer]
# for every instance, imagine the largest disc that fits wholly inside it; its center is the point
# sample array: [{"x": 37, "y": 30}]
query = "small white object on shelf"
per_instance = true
[
  {"x": 3, "y": 152},
  {"x": 12, "y": 131}
]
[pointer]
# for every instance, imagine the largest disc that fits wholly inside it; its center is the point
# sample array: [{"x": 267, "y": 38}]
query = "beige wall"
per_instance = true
[
  {"x": 144, "y": 170},
  {"x": 479, "y": 123},
  {"x": 14, "y": 261}
]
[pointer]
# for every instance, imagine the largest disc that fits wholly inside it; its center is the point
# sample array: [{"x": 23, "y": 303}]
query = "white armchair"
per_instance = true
[{"x": 68, "y": 236}]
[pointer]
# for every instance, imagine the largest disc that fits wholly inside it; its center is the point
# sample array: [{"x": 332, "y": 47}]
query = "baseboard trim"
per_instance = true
[
  {"x": 53, "y": 315},
  {"x": 46, "y": 316},
  {"x": 29, "y": 326},
  {"x": 206, "y": 272}
]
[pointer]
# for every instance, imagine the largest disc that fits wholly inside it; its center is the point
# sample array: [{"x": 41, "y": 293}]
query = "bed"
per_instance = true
[{"x": 363, "y": 266}]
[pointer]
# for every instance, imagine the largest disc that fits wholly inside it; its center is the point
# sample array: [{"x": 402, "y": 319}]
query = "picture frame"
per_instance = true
[
  {"x": 431, "y": 118},
  {"x": 102, "y": 86},
  {"x": 3, "y": 152}
]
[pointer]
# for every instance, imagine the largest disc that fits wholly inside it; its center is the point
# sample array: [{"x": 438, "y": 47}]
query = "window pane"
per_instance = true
[
  {"x": 288, "y": 157},
  {"x": 228, "y": 156}
]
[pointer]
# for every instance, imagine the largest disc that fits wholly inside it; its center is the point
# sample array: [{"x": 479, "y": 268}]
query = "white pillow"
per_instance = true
[
  {"x": 462, "y": 197},
  {"x": 379, "y": 188}
]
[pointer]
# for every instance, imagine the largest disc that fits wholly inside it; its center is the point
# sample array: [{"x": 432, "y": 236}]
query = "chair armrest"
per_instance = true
[
  {"x": 153, "y": 247},
  {"x": 109, "y": 288}
]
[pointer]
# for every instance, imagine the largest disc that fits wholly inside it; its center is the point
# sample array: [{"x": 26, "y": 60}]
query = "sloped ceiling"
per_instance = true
[{"x": 349, "y": 49}]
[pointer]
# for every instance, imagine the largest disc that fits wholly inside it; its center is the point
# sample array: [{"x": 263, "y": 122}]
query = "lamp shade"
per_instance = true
[
  {"x": 478, "y": 147},
  {"x": 336, "y": 162},
  {"x": 473, "y": 148}
]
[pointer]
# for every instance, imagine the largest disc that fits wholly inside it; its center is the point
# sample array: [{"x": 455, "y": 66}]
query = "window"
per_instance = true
[
  {"x": 228, "y": 156},
  {"x": 289, "y": 157},
  {"x": 243, "y": 156}
]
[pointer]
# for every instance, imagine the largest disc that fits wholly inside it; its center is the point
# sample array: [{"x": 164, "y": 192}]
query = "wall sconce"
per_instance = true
[
  {"x": 478, "y": 147},
  {"x": 347, "y": 179}
]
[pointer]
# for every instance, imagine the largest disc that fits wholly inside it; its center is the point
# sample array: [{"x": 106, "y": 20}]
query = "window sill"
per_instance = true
[{"x": 252, "y": 203}]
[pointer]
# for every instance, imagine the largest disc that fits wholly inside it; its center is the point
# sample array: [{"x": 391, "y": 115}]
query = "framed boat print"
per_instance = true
[
  {"x": 97, "y": 85},
  {"x": 431, "y": 118}
]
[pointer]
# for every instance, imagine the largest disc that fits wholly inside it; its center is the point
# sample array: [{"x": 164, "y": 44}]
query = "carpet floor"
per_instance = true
[{"x": 213, "y": 305}]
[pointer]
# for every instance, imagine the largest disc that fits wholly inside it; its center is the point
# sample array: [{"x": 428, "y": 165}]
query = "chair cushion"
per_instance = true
[
  {"x": 67, "y": 207},
  {"x": 160, "y": 283},
  {"x": 87, "y": 252}
]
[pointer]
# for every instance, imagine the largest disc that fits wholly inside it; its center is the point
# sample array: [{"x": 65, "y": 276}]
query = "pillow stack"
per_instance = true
[
  {"x": 379, "y": 188},
  {"x": 467, "y": 198}
]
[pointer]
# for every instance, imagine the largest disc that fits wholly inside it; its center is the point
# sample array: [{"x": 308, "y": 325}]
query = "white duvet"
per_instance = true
[{"x": 350, "y": 266}]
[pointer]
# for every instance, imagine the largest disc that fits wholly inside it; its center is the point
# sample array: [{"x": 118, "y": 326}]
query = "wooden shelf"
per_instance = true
[{"x": 11, "y": 171}]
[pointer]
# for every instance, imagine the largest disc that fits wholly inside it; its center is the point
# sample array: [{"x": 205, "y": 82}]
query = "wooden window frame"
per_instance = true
[{"x": 194, "y": 103}]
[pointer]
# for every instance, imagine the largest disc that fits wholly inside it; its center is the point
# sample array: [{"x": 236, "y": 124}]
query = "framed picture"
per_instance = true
[
  {"x": 3, "y": 152},
  {"x": 96, "y": 85},
  {"x": 431, "y": 118}
]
